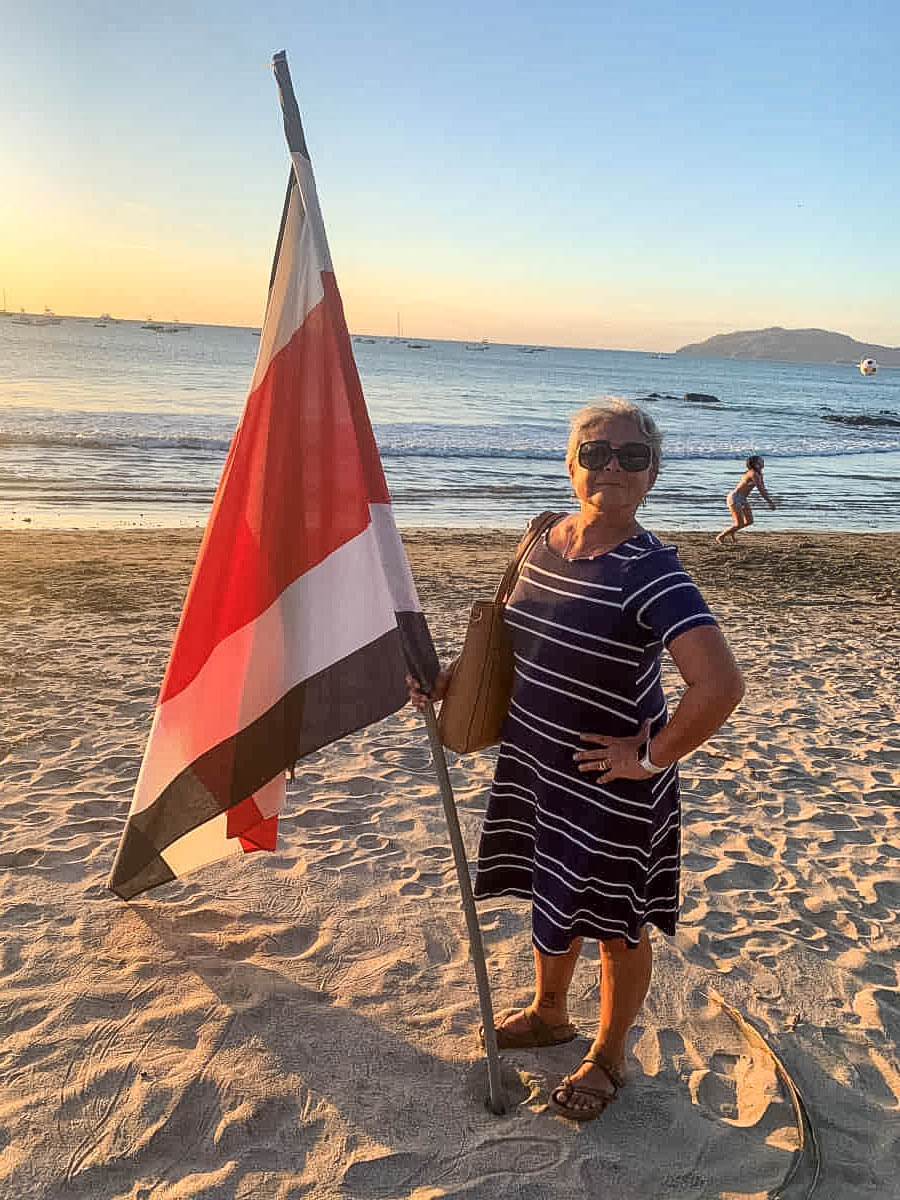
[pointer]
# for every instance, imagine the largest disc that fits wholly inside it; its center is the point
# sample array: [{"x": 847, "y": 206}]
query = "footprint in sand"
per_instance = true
[
  {"x": 26, "y": 857},
  {"x": 741, "y": 877}
]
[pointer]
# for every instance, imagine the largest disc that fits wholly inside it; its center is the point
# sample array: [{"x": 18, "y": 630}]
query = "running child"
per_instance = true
[{"x": 738, "y": 502}]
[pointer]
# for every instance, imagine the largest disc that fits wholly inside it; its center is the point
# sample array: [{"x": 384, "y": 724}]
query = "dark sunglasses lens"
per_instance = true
[
  {"x": 634, "y": 456},
  {"x": 594, "y": 455}
]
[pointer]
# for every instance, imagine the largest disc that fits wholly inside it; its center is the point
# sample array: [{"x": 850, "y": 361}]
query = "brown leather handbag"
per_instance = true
[{"x": 477, "y": 699}]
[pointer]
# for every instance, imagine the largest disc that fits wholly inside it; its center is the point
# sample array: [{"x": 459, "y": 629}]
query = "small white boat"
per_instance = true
[
  {"x": 48, "y": 317},
  {"x": 868, "y": 366}
]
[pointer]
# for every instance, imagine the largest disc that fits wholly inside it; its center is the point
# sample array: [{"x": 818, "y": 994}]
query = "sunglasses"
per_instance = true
[{"x": 632, "y": 456}]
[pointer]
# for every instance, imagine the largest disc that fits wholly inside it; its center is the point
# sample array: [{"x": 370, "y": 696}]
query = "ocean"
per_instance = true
[{"x": 119, "y": 425}]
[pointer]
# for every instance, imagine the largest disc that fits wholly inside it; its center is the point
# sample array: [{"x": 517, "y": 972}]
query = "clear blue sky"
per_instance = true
[{"x": 636, "y": 175}]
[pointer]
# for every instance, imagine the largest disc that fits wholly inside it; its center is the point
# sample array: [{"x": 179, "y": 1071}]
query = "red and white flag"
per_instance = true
[{"x": 301, "y": 619}]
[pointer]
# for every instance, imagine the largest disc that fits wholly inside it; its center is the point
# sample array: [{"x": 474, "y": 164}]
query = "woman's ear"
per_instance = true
[{"x": 654, "y": 475}]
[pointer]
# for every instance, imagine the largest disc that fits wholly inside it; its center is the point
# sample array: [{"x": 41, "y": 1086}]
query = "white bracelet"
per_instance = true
[{"x": 647, "y": 762}]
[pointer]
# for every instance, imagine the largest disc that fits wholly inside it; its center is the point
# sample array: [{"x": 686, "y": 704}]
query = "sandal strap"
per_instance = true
[
  {"x": 572, "y": 1087},
  {"x": 615, "y": 1076}
]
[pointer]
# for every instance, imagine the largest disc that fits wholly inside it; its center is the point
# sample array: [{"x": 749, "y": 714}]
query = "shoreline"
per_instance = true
[
  {"x": 305, "y": 1020},
  {"x": 767, "y": 568}
]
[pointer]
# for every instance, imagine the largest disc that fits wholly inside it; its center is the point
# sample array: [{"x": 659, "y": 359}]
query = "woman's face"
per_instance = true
[{"x": 610, "y": 488}]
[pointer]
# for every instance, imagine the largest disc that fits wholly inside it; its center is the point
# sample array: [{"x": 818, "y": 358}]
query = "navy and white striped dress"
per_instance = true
[{"x": 596, "y": 860}]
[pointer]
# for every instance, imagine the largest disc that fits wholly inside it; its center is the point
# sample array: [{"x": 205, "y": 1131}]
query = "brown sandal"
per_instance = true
[
  {"x": 538, "y": 1033},
  {"x": 561, "y": 1097}
]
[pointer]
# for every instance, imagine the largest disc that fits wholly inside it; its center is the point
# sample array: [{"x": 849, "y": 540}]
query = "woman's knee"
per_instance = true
[{"x": 618, "y": 948}]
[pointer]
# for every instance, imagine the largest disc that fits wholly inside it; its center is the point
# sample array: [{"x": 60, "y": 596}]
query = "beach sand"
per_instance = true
[{"x": 303, "y": 1023}]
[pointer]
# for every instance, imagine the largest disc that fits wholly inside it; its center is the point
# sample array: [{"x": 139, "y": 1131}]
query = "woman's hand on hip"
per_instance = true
[{"x": 613, "y": 758}]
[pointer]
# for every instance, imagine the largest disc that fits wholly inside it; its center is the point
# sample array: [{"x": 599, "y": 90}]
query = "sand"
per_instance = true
[{"x": 303, "y": 1023}]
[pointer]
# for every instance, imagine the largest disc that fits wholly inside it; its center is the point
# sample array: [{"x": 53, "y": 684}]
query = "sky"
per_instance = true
[{"x": 628, "y": 175}]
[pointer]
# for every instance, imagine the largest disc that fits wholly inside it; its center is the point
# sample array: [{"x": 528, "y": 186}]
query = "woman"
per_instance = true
[
  {"x": 583, "y": 817},
  {"x": 738, "y": 499}
]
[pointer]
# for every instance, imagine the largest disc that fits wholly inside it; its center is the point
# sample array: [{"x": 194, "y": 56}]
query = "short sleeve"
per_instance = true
[{"x": 661, "y": 597}]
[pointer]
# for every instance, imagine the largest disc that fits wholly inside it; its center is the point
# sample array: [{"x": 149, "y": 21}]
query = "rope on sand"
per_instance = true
[{"x": 801, "y": 1112}]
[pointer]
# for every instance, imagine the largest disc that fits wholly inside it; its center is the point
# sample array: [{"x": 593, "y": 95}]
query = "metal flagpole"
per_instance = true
[
  {"x": 496, "y": 1098},
  {"x": 296, "y": 141}
]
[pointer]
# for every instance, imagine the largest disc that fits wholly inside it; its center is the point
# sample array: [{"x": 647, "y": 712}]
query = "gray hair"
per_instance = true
[{"x": 613, "y": 406}]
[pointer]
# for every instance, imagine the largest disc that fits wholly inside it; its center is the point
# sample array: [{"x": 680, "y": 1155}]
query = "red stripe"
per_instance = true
[
  {"x": 263, "y": 836},
  {"x": 301, "y": 472}
]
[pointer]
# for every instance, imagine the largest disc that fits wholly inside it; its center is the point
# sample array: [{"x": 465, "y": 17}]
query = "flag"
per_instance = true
[{"x": 301, "y": 618}]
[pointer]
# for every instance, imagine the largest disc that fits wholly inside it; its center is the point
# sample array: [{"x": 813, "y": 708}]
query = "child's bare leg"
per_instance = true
[{"x": 733, "y": 527}]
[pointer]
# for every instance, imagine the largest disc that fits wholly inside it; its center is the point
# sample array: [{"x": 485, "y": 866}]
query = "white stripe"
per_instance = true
[
  {"x": 673, "y": 587},
  {"x": 654, "y": 682},
  {"x": 569, "y": 679},
  {"x": 662, "y": 712},
  {"x": 595, "y": 637},
  {"x": 542, "y": 903},
  {"x": 624, "y": 851},
  {"x": 605, "y": 587},
  {"x": 607, "y": 924},
  {"x": 669, "y": 575},
  {"x": 205, "y": 844},
  {"x": 545, "y": 637},
  {"x": 581, "y": 699},
  {"x": 337, "y": 607},
  {"x": 302, "y": 257},
  {"x": 535, "y": 765},
  {"x": 502, "y": 860},
  {"x": 663, "y": 781},
  {"x": 575, "y": 744},
  {"x": 596, "y": 929},
  {"x": 697, "y": 618},
  {"x": 270, "y": 799},
  {"x": 523, "y": 794},
  {"x": 394, "y": 562},
  {"x": 661, "y": 868},
  {"x": 507, "y": 825},
  {"x": 606, "y": 887},
  {"x": 498, "y": 824},
  {"x": 546, "y": 587},
  {"x": 665, "y": 829},
  {"x": 644, "y": 674},
  {"x": 209, "y": 843}
]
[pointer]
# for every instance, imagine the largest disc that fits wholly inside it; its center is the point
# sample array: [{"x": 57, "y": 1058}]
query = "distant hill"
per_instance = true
[{"x": 792, "y": 345}]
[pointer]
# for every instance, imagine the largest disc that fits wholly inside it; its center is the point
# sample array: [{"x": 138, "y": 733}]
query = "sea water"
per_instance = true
[{"x": 121, "y": 425}]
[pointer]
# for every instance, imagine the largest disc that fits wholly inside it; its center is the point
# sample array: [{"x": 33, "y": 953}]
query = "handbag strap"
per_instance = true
[{"x": 538, "y": 526}]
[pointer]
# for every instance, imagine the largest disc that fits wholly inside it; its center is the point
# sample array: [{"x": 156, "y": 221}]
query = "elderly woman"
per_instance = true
[{"x": 583, "y": 817}]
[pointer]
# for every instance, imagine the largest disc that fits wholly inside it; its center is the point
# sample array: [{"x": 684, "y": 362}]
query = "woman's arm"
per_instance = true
[{"x": 714, "y": 689}]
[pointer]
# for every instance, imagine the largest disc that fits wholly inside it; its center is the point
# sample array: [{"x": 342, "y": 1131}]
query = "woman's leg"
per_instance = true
[
  {"x": 552, "y": 977},
  {"x": 624, "y": 981},
  {"x": 747, "y": 516}
]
